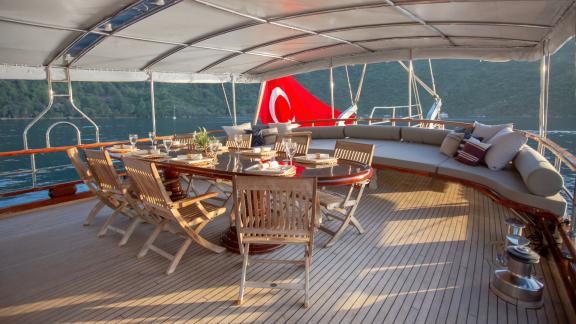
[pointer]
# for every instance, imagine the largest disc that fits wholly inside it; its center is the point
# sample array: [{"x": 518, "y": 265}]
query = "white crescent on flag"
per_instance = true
[{"x": 277, "y": 92}]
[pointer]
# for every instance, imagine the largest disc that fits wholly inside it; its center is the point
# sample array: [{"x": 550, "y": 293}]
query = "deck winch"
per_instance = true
[{"x": 514, "y": 281}]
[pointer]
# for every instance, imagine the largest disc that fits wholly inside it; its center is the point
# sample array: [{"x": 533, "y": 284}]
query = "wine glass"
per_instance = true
[
  {"x": 167, "y": 145},
  {"x": 237, "y": 141},
  {"x": 290, "y": 149},
  {"x": 152, "y": 136},
  {"x": 133, "y": 138}
]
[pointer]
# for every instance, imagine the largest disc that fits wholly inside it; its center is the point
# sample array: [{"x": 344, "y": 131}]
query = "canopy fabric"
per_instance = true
[{"x": 251, "y": 41}]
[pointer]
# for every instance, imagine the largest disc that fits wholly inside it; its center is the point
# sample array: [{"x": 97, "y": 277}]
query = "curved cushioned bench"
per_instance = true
[{"x": 417, "y": 149}]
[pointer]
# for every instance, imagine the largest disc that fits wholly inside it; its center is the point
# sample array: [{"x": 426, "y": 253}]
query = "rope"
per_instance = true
[{"x": 349, "y": 85}]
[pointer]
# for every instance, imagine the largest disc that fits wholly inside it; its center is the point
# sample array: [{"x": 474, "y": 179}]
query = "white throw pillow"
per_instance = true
[
  {"x": 451, "y": 143},
  {"x": 284, "y": 128},
  {"x": 486, "y": 132},
  {"x": 238, "y": 129},
  {"x": 505, "y": 146}
]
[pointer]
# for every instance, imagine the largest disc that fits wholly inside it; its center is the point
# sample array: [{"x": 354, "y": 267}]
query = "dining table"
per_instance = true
[{"x": 226, "y": 165}]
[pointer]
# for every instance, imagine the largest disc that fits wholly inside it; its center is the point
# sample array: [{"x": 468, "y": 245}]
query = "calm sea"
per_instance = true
[{"x": 562, "y": 131}]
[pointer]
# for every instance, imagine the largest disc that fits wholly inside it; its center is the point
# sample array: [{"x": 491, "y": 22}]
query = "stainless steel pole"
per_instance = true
[
  {"x": 260, "y": 97},
  {"x": 332, "y": 90},
  {"x": 544, "y": 94},
  {"x": 234, "y": 101},
  {"x": 152, "y": 104},
  {"x": 410, "y": 80}
]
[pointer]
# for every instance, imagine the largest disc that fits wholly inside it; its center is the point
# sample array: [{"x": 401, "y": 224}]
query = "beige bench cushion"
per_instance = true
[
  {"x": 390, "y": 133},
  {"x": 419, "y": 157},
  {"x": 424, "y": 135},
  {"x": 507, "y": 183},
  {"x": 540, "y": 177},
  {"x": 323, "y": 132}
]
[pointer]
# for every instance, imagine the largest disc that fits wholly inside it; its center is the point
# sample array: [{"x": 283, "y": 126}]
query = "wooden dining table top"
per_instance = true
[{"x": 230, "y": 164}]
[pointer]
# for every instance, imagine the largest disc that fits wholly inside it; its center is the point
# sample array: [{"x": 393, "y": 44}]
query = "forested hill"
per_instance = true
[{"x": 467, "y": 88}]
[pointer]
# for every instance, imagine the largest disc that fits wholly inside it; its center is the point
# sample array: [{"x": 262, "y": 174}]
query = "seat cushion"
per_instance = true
[
  {"x": 508, "y": 183},
  {"x": 419, "y": 157},
  {"x": 391, "y": 133},
  {"x": 323, "y": 132},
  {"x": 424, "y": 135}
]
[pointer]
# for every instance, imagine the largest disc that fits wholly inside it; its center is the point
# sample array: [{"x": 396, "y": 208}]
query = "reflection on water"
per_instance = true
[{"x": 562, "y": 131}]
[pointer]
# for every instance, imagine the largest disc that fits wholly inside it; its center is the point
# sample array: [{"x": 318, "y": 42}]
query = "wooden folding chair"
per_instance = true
[
  {"x": 88, "y": 180},
  {"x": 185, "y": 139},
  {"x": 275, "y": 210},
  {"x": 190, "y": 215},
  {"x": 343, "y": 207},
  {"x": 302, "y": 140},
  {"x": 112, "y": 188}
]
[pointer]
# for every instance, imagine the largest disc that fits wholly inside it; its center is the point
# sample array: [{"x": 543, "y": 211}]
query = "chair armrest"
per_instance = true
[{"x": 190, "y": 201}]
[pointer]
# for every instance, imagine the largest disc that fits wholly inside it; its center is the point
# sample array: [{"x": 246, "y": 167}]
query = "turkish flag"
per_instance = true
[{"x": 286, "y": 100}]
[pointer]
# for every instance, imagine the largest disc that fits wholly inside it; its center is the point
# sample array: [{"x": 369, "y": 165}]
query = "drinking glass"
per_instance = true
[
  {"x": 152, "y": 136},
  {"x": 133, "y": 138},
  {"x": 237, "y": 141},
  {"x": 290, "y": 149},
  {"x": 167, "y": 144}
]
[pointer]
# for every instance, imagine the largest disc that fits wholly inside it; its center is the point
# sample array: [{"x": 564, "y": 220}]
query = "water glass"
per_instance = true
[
  {"x": 290, "y": 149},
  {"x": 133, "y": 138},
  {"x": 167, "y": 145}
]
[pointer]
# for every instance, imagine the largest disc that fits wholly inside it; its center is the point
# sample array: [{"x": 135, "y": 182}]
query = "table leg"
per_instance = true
[{"x": 172, "y": 177}]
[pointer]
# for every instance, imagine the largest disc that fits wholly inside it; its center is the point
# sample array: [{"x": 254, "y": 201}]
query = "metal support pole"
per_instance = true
[
  {"x": 332, "y": 90},
  {"x": 360, "y": 84},
  {"x": 234, "y": 101},
  {"x": 259, "y": 104},
  {"x": 410, "y": 80},
  {"x": 544, "y": 94},
  {"x": 152, "y": 104}
]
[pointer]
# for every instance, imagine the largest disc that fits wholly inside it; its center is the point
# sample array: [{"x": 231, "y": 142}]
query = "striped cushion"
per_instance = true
[{"x": 473, "y": 152}]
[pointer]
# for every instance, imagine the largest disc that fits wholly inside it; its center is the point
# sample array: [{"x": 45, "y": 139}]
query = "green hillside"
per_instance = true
[{"x": 468, "y": 88}]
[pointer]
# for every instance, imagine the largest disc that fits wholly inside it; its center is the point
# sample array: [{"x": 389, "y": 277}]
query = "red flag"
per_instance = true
[{"x": 286, "y": 100}]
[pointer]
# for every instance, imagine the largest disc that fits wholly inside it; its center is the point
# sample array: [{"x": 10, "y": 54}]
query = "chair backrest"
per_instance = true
[
  {"x": 275, "y": 208},
  {"x": 103, "y": 171},
  {"x": 149, "y": 185},
  {"x": 302, "y": 140},
  {"x": 246, "y": 141},
  {"x": 81, "y": 169},
  {"x": 357, "y": 152},
  {"x": 184, "y": 138}
]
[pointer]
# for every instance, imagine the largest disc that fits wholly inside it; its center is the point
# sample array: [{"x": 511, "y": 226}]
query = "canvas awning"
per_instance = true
[{"x": 217, "y": 40}]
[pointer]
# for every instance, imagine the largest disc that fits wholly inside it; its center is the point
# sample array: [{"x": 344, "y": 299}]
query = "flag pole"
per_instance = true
[{"x": 259, "y": 104}]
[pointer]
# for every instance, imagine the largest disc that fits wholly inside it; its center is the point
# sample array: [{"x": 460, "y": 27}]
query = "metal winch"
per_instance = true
[{"x": 515, "y": 283}]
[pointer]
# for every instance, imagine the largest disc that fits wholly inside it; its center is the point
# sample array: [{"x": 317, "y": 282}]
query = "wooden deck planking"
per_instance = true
[{"x": 426, "y": 257}]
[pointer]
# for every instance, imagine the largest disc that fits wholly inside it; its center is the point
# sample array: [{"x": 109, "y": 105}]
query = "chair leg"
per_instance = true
[
  {"x": 354, "y": 221},
  {"x": 178, "y": 256},
  {"x": 93, "y": 213},
  {"x": 307, "y": 262},
  {"x": 195, "y": 235},
  {"x": 109, "y": 221},
  {"x": 244, "y": 270},
  {"x": 151, "y": 239},
  {"x": 135, "y": 222}
]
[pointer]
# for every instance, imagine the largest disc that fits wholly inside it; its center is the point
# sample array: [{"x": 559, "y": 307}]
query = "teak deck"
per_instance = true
[{"x": 426, "y": 257}]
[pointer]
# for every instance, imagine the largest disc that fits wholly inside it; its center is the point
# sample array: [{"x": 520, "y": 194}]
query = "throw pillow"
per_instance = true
[
  {"x": 504, "y": 147},
  {"x": 238, "y": 129},
  {"x": 473, "y": 152},
  {"x": 464, "y": 130},
  {"x": 451, "y": 143},
  {"x": 284, "y": 128},
  {"x": 257, "y": 137},
  {"x": 488, "y": 131}
]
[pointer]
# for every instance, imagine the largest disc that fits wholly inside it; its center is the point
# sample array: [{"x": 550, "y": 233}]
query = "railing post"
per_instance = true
[{"x": 410, "y": 80}]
